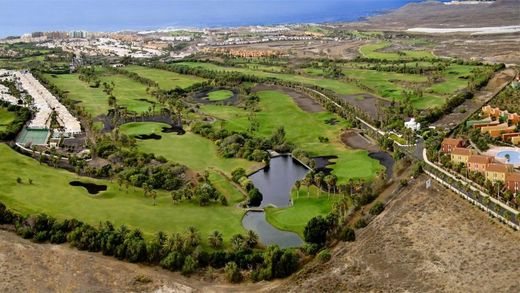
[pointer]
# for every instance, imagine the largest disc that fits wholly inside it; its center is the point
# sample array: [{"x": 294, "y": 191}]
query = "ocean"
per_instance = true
[{"x": 24, "y": 16}]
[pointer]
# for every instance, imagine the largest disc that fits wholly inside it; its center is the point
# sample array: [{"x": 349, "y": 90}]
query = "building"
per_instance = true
[
  {"x": 513, "y": 182},
  {"x": 479, "y": 163},
  {"x": 78, "y": 34},
  {"x": 509, "y": 136},
  {"x": 500, "y": 131},
  {"x": 461, "y": 155},
  {"x": 412, "y": 125},
  {"x": 497, "y": 171},
  {"x": 488, "y": 111},
  {"x": 449, "y": 144}
]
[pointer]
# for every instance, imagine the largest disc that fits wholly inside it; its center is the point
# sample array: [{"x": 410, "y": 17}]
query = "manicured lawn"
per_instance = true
[
  {"x": 128, "y": 92},
  {"x": 94, "y": 100},
  {"x": 166, "y": 79},
  {"x": 194, "y": 151},
  {"x": 455, "y": 78},
  {"x": 6, "y": 118},
  {"x": 373, "y": 51},
  {"x": 220, "y": 95},
  {"x": 303, "y": 129},
  {"x": 337, "y": 86},
  {"x": 304, "y": 208},
  {"x": 51, "y": 193}
]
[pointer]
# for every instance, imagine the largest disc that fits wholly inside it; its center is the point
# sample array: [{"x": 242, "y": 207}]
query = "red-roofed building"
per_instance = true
[
  {"x": 513, "y": 182},
  {"x": 449, "y": 144},
  {"x": 479, "y": 163}
]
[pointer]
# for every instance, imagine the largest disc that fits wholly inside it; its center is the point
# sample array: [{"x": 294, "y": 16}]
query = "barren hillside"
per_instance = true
[
  {"x": 439, "y": 15},
  {"x": 424, "y": 241}
]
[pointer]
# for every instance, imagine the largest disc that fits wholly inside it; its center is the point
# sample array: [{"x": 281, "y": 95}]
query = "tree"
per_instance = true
[
  {"x": 255, "y": 197},
  {"x": 215, "y": 239},
  {"x": 316, "y": 231},
  {"x": 298, "y": 184},
  {"x": 329, "y": 180},
  {"x": 252, "y": 239},
  {"x": 318, "y": 178},
  {"x": 18, "y": 180}
]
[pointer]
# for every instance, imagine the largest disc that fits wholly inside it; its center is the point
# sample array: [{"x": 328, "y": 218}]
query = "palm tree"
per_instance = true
[
  {"x": 298, "y": 184},
  {"x": 318, "y": 178},
  {"x": 154, "y": 196},
  {"x": 192, "y": 236},
  {"x": 328, "y": 180},
  {"x": 306, "y": 182},
  {"x": 252, "y": 239},
  {"x": 215, "y": 239},
  {"x": 146, "y": 189}
]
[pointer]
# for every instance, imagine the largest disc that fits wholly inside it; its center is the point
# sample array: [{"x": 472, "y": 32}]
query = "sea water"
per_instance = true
[{"x": 25, "y": 16}]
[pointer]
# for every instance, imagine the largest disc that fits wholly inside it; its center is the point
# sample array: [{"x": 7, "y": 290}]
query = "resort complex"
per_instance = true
[{"x": 332, "y": 157}]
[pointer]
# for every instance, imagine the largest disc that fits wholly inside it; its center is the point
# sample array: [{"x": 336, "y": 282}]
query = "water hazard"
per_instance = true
[{"x": 276, "y": 180}]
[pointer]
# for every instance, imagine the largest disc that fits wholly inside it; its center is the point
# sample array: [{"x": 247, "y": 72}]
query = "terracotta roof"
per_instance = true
[
  {"x": 497, "y": 167},
  {"x": 452, "y": 141},
  {"x": 513, "y": 176},
  {"x": 462, "y": 151},
  {"x": 480, "y": 159}
]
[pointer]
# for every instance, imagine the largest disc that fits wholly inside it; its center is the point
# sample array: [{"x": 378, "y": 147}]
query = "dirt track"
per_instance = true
[{"x": 423, "y": 241}]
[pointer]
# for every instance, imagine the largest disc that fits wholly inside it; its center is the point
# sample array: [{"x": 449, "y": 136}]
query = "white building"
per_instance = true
[{"x": 412, "y": 125}]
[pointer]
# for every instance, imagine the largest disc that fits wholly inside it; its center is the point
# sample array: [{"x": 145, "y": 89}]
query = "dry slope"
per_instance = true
[{"x": 424, "y": 241}]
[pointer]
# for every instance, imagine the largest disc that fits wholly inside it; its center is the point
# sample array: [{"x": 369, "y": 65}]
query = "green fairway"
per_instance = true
[
  {"x": 51, "y": 193},
  {"x": 303, "y": 129},
  {"x": 94, "y": 100},
  {"x": 374, "y": 51},
  {"x": 194, "y": 151},
  {"x": 220, "y": 95},
  {"x": 6, "y": 118},
  {"x": 129, "y": 93},
  {"x": 166, "y": 79},
  {"x": 304, "y": 208},
  {"x": 337, "y": 86}
]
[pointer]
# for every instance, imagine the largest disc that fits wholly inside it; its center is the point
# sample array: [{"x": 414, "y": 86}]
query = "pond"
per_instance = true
[
  {"x": 90, "y": 187},
  {"x": 269, "y": 235},
  {"x": 276, "y": 180},
  {"x": 386, "y": 160}
]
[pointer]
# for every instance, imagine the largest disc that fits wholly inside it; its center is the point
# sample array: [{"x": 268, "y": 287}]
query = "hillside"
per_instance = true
[
  {"x": 439, "y": 15},
  {"x": 424, "y": 241}
]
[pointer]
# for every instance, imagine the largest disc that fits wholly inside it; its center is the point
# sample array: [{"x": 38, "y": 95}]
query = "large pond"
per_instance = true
[
  {"x": 268, "y": 234},
  {"x": 276, "y": 180}
]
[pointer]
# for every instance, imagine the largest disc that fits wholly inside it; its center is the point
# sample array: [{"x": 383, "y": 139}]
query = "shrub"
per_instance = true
[
  {"x": 311, "y": 248},
  {"x": 324, "y": 255},
  {"x": 232, "y": 272},
  {"x": 40, "y": 236},
  {"x": 190, "y": 265},
  {"x": 348, "y": 234},
  {"x": 361, "y": 223},
  {"x": 377, "y": 208}
]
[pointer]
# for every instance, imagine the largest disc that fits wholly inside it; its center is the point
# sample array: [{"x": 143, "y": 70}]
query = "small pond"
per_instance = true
[
  {"x": 276, "y": 180},
  {"x": 386, "y": 160},
  {"x": 90, "y": 187},
  {"x": 255, "y": 221}
]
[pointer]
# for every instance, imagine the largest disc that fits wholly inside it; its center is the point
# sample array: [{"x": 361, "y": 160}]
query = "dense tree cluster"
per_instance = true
[
  {"x": 177, "y": 252},
  {"x": 241, "y": 145},
  {"x": 22, "y": 115}
]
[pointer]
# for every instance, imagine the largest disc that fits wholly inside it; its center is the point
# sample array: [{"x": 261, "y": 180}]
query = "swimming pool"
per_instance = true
[{"x": 514, "y": 156}]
